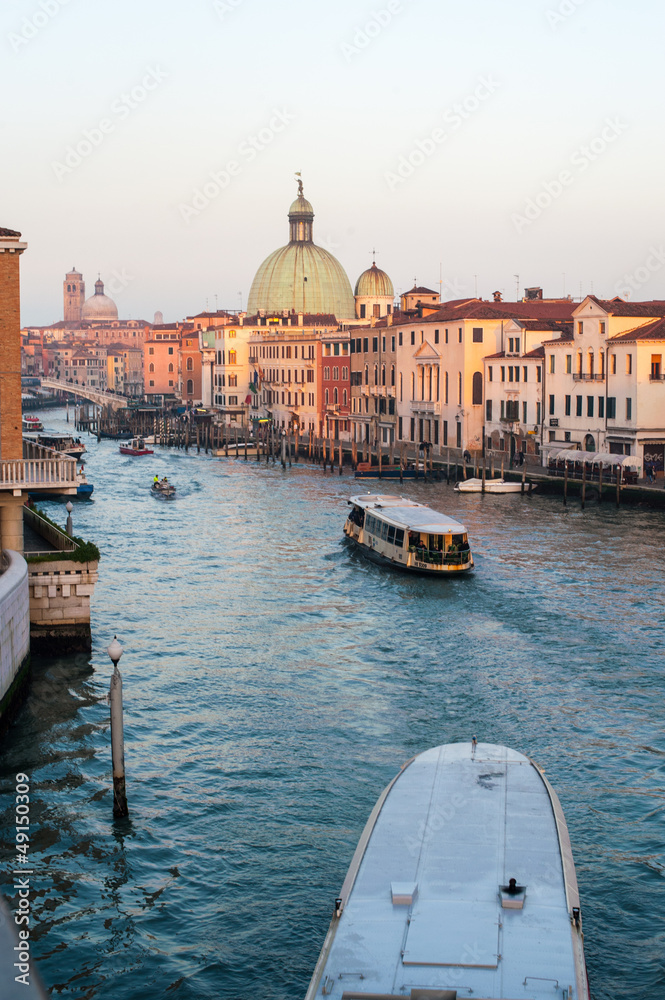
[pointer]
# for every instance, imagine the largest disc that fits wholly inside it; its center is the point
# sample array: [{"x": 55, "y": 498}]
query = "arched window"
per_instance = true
[
  {"x": 232, "y": 357},
  {"x": 376, "y": 374},
  {"x": 335, "y": 395},
  {"x": 366, "y": 374},
  {"x": 459, "y": 388},
  {"x": 190, "y": 365},
  {"x": 591, "y": 363},
  {"x": 327, "y": 397},
  {"x": 392, "y": 374},
  {"x": 190, "y": 386},
  {"x": 477, "y": 391},
  {"x": 383, "y": 374},
  {"x": 344, "y": 397},
  {"x": 579, "y": 362},
  {"x": 171, "y": 367},
  {"x": 151, "y": 367}
]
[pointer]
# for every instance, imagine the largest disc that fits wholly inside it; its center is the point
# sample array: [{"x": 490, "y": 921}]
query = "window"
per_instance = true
[
  {"x": 399, "y": 337},
  {"x": 345, "y": 375},
  {"x": 413, "y": 340},
  {"x": 232, "y": 357},
  {"x": 589, "y": 405},
  {"x": 190, "y": 386},
  {"x": 538, "y": 374},
  {"x": 580, "y": 327},
  {"x": 459, "y": 388},
  {"x": 478, "y": 335},
  {"x": 578, "y": 406},
  {"x": 477, "y": 390},
  {"x": 552, "y": 365},
  {"x": 171, "y": 367},
  {"x": 335, "y": 395},
  {"x": 151, "y": 350},
  {"x": 613, "y": 364},
  {"x": 170, "y": 350},
  {"x": 538, "y": 412},
  {"x": 567, "y": 402},
  {"x": 436, "y": 336},
  {"x": 525, "y": 373},
  {"x": 524, "y": 413},
  {"x": 413, "y": 429},
  {"x": 511, "y": 373},
  {"x": 392, "y": 375},
  {"x": 446, "y": 388},
  {"x": 459, "y": 431},
  {"x": 399, "y": 432},
  {"x": 611, "y": 407},
  {"x": 190, "y": 365},
  {"x": 344, "y": 397},
  {"x": 488, "y": 409},
  {"x": 171, "y": 381},
  {"x": 326, "y": 373},
  {"x": 503, "y": 373},
  {"x": 569, "y": 364},
  {"x": 365, "y": 345},
  {"x": 459, "y": 337},
  {"x": 510, "y": 345},
  {"x": 446, "y": 333},
  {"x": 551, "y": 406},
  {"x": 363, "y": 309},
  {"x": 490, "y": 374},
  {"x": 656, "y": 365},
  {"x": 601, "y": 406},
  {"x": 375, "y": 344},
  {"x": 629, "y": 409},
  {"x": 629, "y": 364},
  {"x": 151, "y": 382},
  {"x": 445, "y": 432},
  {"x": 151, "y": 367},
  {"x": 233, "y": 400},
  {"x": 336, "y": 374}
]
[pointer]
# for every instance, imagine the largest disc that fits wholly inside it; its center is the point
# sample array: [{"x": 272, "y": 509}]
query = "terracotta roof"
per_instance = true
[
  {"x": 420, "y": 290},
  {"x": 618, "y": 307},
  {"x": 538, "y": 352},
  {"x": 650, "y": 331},
  {"x": 9, "y": 232}
]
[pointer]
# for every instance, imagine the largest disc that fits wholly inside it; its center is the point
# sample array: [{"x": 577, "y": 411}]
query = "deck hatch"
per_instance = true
[{"x": 452, "y": 933}]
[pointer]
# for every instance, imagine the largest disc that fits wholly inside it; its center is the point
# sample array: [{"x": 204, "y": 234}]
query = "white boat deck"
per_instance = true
[{"x": 425, "y": 910}]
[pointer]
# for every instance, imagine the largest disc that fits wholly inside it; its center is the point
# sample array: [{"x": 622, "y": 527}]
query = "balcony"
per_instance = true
[
  {"x": 39, "y": 469},
  {"x": 425, "y": 406},
  {"x": 588, "y": 377},
  {"x": 657, "y": 377}
]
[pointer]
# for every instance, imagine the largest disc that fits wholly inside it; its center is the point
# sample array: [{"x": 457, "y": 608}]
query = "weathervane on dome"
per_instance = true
[{"x": 300, "y": 191}]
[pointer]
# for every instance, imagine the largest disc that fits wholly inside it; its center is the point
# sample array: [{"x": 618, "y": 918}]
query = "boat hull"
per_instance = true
[
  {"x": 492, "y": 486},
  {"x": 427, "y": 903},
  {"x": 165, "y": 493},
  {"x": 420, "y": 569},
  {"x": 135, "y": 451}
]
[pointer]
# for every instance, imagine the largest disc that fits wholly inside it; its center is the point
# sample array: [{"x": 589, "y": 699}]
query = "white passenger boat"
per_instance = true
[
  {"x": 462, "y": 886},
  {"x": 493, "y": 486},
  {"x": 408, "y": 535}
]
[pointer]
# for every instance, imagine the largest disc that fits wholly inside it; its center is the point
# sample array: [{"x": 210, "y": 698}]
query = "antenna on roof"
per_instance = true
[{"x": 517, "y": 287}]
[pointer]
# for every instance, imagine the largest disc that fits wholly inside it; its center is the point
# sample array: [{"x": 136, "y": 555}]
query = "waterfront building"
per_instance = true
[
  {"x": 160, "y": 362},
  {"x": 189, "y": 367},
  {"x": 232, "y": 374},
  {"x": 335, "y": 385},
  {"x": 208, "y": 357},
  {"x": 286, "y": 355},
  {"x": 302, "y": 277},
  {"x": 603, "y": 387},
  {"x": 125, "y": 369},
  {"x": 373, "y": 381}
]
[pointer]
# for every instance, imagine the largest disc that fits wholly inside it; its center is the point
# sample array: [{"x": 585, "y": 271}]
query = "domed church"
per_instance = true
[
  {"x": 374, "y": 293},
  {"x": 301, "y": 276},
  {"x": 99, "y": 307}
]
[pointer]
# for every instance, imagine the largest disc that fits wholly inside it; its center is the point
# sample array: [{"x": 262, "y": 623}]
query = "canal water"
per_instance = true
[{"x": 275, "y": 681}]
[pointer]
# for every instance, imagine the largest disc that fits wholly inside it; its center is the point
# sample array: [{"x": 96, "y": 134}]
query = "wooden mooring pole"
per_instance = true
[{"x": 120, "y": 808}]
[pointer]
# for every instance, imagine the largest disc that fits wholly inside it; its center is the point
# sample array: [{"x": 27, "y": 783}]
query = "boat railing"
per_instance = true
[{"x": 437, "y": 558}]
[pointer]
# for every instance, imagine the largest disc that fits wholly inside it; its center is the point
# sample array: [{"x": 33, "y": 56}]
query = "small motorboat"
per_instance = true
[
  {"x": 493, "y": 486},
  {"x": 135, "y": 447},
  {"x": 163, "y": 488},
  {"x": 64, "y": 443},
  {"x": 31, "y": 423}
]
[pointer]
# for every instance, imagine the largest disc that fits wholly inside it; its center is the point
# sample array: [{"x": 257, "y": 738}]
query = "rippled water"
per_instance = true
[{"x": 275, "y": 680}]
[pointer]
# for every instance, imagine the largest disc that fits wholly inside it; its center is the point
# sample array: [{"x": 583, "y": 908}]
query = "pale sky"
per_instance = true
[{"x": 528, "y": 134}]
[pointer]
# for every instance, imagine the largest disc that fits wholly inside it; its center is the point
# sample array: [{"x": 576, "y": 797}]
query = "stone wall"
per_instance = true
[
  {"x": 14, "y": 628},
  {"x": 60, "y": 593}
]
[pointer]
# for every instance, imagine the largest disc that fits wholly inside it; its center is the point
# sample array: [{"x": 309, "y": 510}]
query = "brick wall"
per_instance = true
[{"x": 11, "y": 445}]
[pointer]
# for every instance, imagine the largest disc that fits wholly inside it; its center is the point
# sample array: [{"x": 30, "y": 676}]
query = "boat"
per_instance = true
[
  {"x": 136, "y": 446},
  {"x": 493, "y": 486},
  {"x": 462, "y": 886},
  {"x": 163, "y": 488},
  {"x": 365, "y": 470},
  {"x": 408, "y": 535},
  {"x": 31, "y": 424},
  {"x": 64, "y": 443}
]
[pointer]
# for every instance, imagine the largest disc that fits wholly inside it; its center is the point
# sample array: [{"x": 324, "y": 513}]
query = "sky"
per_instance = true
[{"x": 476, "y": 147}]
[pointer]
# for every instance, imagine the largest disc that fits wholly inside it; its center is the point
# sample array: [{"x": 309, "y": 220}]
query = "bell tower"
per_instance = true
[{"x": 73, "y": 295}]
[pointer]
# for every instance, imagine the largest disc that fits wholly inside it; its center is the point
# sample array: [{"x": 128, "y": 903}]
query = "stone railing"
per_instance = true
[
  {"x": 40, "y": 468},
  {"x": 14, "y": 624},
  {"x": 57, "y": 539}
]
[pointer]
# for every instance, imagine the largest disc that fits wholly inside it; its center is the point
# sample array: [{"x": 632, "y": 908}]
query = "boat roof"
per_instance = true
[
  {"x": 408, "y": 513},
  {"x": 422, "y": 903}
]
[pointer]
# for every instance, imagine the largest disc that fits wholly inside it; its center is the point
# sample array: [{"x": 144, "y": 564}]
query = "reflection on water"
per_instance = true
[{"x": 275, "y": 680}]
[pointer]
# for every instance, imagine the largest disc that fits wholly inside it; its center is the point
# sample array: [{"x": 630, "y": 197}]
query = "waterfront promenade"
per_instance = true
[{"x": 274, "y": 682}]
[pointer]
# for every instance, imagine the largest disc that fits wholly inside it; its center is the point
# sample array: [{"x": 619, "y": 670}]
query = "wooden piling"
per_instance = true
[
  {"x": 583, "y": 483},
  {"x": 340, "y": 458},
  {"x": 120, "y": 808},
  {"x": 565, "y": 483},
  {"x": 600, "y": 483}
]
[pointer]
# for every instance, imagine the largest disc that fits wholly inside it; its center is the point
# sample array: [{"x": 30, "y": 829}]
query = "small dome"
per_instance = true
[
  {"x": 301, "y": 207},
  {"x": 374, "y": 282},
  {"x": 99, "y": 306}
]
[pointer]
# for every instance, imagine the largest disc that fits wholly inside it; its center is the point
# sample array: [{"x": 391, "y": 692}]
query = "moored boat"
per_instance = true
[
  {"x": 365, "y": 470},
  {"x": 136, "y": 446},
  {"x": 462, "y": 885},
  {"x": 64, "y": 443},
  {"x": 493, "y": 486},
  {"x": 408, "y": 535}
]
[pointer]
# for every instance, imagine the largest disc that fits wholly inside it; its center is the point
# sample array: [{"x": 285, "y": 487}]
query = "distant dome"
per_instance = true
[
  {"x": 99, "y": 306},
  {"x": 373, "y": 282},
  {"x": 301, "y": 276}
]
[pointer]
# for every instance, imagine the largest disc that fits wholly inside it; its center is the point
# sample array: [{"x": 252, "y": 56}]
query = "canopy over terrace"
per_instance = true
[{"x": 605, "y": 458}]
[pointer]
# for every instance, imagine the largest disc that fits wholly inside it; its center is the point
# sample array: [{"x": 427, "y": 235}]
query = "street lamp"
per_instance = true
[
  {"x": 120, "y": 809},
  {"x": 69, "y": 527}
]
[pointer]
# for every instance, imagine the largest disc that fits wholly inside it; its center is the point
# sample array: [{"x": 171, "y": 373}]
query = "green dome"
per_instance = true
[
  {"x": 374, "y": 282},
  {"x": 301, "y": 276}
]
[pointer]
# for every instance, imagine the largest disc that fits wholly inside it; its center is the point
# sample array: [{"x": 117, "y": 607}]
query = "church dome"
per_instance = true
[
  {"x": 373, "y": 282},
  {"x": 99, "y": 306},
  {"x": 301, "y": 276}
]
